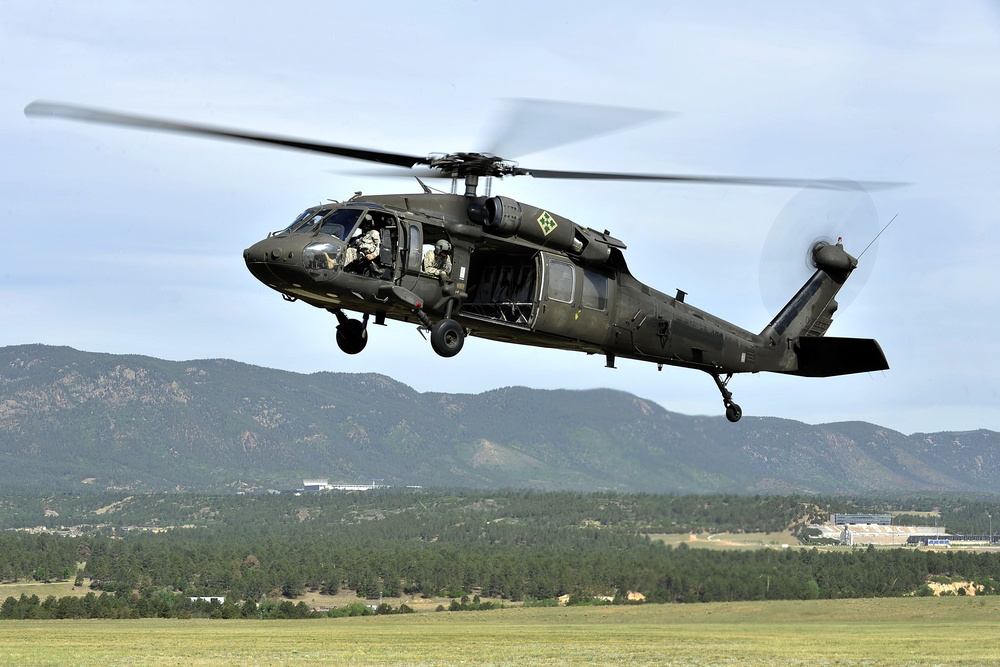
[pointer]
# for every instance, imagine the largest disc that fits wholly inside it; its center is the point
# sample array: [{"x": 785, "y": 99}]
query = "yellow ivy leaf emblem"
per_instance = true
[{"x": 547, "y": 223}]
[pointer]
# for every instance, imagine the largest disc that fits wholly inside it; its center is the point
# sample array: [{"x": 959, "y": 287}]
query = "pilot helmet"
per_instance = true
[{"x": 443, "y": 246}]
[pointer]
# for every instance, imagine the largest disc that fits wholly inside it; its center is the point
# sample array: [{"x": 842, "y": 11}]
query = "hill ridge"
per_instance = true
[{"x": 130, "y": 421}]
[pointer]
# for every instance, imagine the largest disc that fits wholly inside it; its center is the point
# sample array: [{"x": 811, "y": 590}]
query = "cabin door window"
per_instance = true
[{"x": 561, "y": 281}]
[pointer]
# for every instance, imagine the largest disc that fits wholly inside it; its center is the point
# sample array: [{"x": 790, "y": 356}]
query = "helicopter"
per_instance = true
[{"x": 470, "y": 264}]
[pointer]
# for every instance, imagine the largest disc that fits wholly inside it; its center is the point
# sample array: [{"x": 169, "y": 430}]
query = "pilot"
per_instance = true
[
  {"x": 365, "y": 245},
  {"x": 437, "y": 260}
]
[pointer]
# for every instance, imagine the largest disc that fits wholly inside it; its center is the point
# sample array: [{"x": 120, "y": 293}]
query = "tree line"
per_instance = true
[
  {"x": 504, "y": 545},
  {"x": 661, "y": 573},
  {"x": 164, "y": 603}
]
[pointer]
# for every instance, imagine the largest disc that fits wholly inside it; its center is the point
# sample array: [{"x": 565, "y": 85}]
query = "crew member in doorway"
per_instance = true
[{"x": 437, "y": 260}]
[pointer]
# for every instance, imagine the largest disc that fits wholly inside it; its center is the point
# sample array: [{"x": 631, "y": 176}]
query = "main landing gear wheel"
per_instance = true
[
  {"x": 447, "y": 337},
  {"x": 352, "y": 336},
  {"x": 733, "y": 411}
]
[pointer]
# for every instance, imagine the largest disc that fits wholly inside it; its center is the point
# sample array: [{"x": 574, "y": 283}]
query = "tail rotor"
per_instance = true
[{"x": 815, "y": 217}]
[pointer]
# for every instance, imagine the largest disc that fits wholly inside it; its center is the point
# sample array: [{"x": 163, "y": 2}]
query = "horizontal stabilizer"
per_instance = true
[{"x": 826, "y": 357}]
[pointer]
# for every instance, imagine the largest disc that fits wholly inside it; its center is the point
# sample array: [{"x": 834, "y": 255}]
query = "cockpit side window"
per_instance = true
[
  {"x": 413, "y": 256},
  {"x": 339, "y": 223}
]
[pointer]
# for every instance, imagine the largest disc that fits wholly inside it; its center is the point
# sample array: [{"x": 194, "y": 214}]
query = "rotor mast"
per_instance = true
[{"x": 471, "y": 185}]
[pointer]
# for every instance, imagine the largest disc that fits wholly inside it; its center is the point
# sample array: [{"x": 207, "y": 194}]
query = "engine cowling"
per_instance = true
[
  {"x": 507, "y": 217},
  {"x": 504, "y": 216}
]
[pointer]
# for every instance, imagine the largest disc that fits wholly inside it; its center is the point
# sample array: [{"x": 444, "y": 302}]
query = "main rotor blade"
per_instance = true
[
  {"x": 86, "y": 114},
  {"x": 529, "y": 126},
  {"x": 717, "y": 180},
  {"x": 870, "y": 186}
]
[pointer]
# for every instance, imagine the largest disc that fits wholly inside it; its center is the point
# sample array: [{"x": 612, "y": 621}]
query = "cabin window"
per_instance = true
[
  {"x": 595, "y": 290},
  {"x": 561, "y": 281},
  {"x": 413, "y": 256}
]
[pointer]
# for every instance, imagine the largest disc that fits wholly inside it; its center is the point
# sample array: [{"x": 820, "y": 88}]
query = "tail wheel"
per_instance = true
[
  {"x": 733, "y": 411},
  {"x": 447, "y": 337}
]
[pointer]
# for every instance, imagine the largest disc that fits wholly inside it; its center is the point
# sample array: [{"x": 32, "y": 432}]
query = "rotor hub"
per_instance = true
[{"x": 461, "y": 165}]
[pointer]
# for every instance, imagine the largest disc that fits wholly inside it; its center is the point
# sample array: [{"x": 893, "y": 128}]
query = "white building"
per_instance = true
[{"x": 866, "y": 533}]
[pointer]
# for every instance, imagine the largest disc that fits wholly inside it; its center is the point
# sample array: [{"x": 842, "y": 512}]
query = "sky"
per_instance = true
[{"x": 130, "y": 242}]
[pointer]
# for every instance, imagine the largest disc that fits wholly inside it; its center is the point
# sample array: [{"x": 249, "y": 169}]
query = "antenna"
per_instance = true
[{"x": 876, "y": 236}]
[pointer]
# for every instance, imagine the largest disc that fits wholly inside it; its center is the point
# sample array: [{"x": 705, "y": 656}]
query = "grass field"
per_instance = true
[
  {"x": 731, "y": 540},
  {"x": 910, "y": 631},
  {"x": 58, "y": 589}
]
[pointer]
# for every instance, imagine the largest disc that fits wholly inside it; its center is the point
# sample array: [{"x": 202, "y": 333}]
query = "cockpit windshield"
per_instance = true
[
  {"x": 308, "y": 218},
  {"x": 295, "y": 223},
  {"x": 339, "y": 223}
]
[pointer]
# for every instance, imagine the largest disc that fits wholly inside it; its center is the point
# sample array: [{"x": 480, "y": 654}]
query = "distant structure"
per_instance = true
[
  {"x": 867, "y": 519},
  {"x": 867, "y": 528},
  {"x": 959, "y": 540},
  {"x": 324, "y": 485},
  {"x": 888, "y": 535},
  {"x": 933, "y": 541}
]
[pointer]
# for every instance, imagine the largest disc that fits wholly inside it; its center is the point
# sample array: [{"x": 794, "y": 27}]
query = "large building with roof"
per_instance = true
[{"x": 887, "y": 535}]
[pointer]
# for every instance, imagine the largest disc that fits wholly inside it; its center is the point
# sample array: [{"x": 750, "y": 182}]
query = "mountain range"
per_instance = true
[{"x": 72, "y": 420}]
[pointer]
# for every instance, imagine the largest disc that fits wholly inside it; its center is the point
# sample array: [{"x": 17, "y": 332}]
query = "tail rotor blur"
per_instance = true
[{"x": 818, "y": 216}]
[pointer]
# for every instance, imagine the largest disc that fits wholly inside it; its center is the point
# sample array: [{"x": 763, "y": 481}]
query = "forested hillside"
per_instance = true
[
  {"x": 513, "y": 546},
  {"x": 73, "y": 420}
]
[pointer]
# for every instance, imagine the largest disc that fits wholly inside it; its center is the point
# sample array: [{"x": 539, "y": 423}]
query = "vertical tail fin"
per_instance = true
[
  {"x": 799, "y": 328},
  {"x": 810, "y": 312}
]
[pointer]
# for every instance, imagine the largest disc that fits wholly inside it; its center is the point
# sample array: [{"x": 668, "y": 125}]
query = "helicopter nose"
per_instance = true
[
  {"x": 289, "y": 262},
  {"x": 267, "y": 251},
  {"x": 275, "y": 262}
]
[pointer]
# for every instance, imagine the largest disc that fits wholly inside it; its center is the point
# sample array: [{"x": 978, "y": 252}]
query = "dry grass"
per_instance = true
[
  {"x": 731, "y": 540},
  {"x": 911, "y": 631},
  {"x": 312, "y": 599},
  {"x": 58, "y": 589}
]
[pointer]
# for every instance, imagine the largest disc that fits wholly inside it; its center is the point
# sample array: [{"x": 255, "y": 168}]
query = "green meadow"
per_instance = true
[{"x": 898, "y": 631}]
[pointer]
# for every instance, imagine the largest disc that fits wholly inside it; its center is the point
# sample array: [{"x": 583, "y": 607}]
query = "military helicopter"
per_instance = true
[{"x": 517, "y": 273}]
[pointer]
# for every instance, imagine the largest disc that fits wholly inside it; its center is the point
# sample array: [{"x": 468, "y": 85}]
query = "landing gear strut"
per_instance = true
[
  {"x": 352, "y": 335},
  {"x": 733, "y": 411},
  {"x": 447, "y": 335}
]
